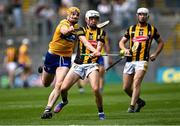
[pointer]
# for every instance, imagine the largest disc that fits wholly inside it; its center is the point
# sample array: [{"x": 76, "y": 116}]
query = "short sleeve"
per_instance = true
[
  {"x": 127, "y": 35},
  {"x": 102, "y": 37},
  {"x": 156, "y": 34},
  {"x": 80, "y": 32}
]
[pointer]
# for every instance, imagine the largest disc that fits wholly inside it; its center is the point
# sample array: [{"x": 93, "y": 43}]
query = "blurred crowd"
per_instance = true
[
  {"x": 17, "y": 62},
  {"x": 12, "y": 12}
]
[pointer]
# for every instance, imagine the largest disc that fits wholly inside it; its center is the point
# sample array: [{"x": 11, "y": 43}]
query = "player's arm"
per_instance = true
[
  {"x": 64, "y": 29},
  {"x": 122, "y": 46},
  {"x": 123, "y": 41},
  {"x": 100, "y": 46},
  {"x": 160, "y": 46},
  {"x": 81, "y": 35},
  {"x": 89, "y": 46},
  {"x": 101, "y": 41}
]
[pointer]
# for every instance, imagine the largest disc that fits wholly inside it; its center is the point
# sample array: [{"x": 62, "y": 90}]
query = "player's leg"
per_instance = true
[
  {"x": 47, "y": 114},
  {"x": 60, "y": 75},
  {"x": 127, "y": 83},
  {"x": 101, "y": 77},
  {"x": 70, "y": 79},
  {"x": 128, "y": 77},
  {"x": 47, "y": 78},
  {"x": 11, "y": 67},
  {"x": 101, "y": 72},
  {"x": 94, "y": 80},
  {"x": 127, "y": 87},
  {"x": 138, "y": 77},
  {"x": 61, "y": 69},
  {"x": 49, "y": 69}
]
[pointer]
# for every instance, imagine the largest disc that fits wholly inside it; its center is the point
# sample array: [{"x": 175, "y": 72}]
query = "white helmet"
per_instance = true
[
  {"x": 92, "y": 13},
  {"x": 10, "y": 42},
  {"x": 25, "y": 41},
  {"x": 143, "y": 10}
]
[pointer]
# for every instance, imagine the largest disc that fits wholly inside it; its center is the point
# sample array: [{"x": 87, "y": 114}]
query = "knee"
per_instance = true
[
  {"x": 125, "y": 88},
  {"x": 95, "y": 90},
  {"x": 63, "y": 91},
  {"x": 45, "y": 84}
]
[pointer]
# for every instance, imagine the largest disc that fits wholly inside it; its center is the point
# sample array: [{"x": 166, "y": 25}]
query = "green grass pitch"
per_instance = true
[{"x": 24, "y": 106}]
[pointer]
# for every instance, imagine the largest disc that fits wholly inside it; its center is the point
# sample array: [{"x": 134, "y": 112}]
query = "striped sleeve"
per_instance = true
[
  {"x": 102, "y": 37},
  {"x": 80, "y": 32},
  {"x": 127, "y": 35},
  {"x": 156, "y": 34}
]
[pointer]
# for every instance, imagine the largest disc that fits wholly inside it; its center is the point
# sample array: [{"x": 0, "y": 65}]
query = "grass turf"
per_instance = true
[{"x": 25, "y": 106}]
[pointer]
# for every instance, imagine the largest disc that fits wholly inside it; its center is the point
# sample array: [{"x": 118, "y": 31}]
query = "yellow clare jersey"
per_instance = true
[
  {"x": 63, "y": 45},
  {"x": 142, "y": 37},
  {"x": 23, "y": 57},
  {"x": 11, "y": 54},
  {"x": 93, "y": 36}
]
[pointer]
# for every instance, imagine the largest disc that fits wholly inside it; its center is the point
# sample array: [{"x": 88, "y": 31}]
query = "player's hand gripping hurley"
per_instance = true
[{"x": 122, "y": 54}]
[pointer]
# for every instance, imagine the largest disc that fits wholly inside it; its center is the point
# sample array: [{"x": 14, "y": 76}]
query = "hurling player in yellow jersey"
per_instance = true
[
  {"x": 140, "y": 37},
  {"x": 86, "y": 66},
  {"x": 58, "y": 58}
]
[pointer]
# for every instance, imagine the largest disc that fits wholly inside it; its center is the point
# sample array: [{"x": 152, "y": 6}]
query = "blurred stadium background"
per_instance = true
[{"x": 36, "y": 20}]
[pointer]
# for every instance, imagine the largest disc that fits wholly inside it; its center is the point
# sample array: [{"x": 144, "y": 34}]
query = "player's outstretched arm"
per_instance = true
[{"x": 89, "y": 46}]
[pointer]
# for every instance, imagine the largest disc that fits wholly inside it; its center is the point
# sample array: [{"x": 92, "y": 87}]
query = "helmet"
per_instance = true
[
  {"x": 92, "y": 13},
  {"x": 10, "y": 42},
  {"x": 72, "y": 9},
  {"x": 25, "y": 41},
  {"x": 143, "y": 10}
]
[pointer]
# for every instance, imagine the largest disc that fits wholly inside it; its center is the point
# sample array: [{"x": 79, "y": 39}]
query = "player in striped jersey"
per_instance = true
[
  {"x": 86, "y": 65},
  {"x": 10, "y": 61},
  {"x": 140, "y": 37}
]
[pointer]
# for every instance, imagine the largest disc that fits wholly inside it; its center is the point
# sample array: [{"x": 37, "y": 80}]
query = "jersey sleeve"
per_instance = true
[
  {"x": 80, "y": 32},
  {"x": 156, "y": 34},
  {"x": 102, "y": 37},
  {"x": 127, "y": 35},
  {"x": 63, "y": 22}
]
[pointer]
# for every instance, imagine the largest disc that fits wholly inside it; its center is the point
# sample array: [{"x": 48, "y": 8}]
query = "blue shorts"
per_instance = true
[
  {"x": 101, "y": 61},
  {"x": 52, "y": 61}
]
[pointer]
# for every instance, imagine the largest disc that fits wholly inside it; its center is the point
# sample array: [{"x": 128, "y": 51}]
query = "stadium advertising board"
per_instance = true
[{"x": 168, "y": 75}]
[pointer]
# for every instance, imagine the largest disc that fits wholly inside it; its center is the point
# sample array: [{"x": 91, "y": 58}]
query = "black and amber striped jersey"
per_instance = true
[
  {"x": 141, "y": 37},
  {"x": 11, "y": 54},
  {"x": 93, "y": 36}
]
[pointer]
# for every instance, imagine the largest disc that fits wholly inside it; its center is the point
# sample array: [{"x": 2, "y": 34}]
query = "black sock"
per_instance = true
[
  {"x": 100, "y": 109},
  {"x": 139, "y": 100},
  {"x": 132, "y": 107},
  {"x": 47, "y": 109},
  {"x": 64, "y": 99},
  {"x": 64, "y": 96}
]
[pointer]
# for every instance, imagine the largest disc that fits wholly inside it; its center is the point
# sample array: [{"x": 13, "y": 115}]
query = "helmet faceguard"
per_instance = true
[
  {"x": 92, "y": 13},
  {"x": 143, "y": 11}
]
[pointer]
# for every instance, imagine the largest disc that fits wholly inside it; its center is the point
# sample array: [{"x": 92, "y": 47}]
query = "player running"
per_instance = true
[
  {"x": 85, "y": 65},
  {"x": 58, "y": 58}
]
